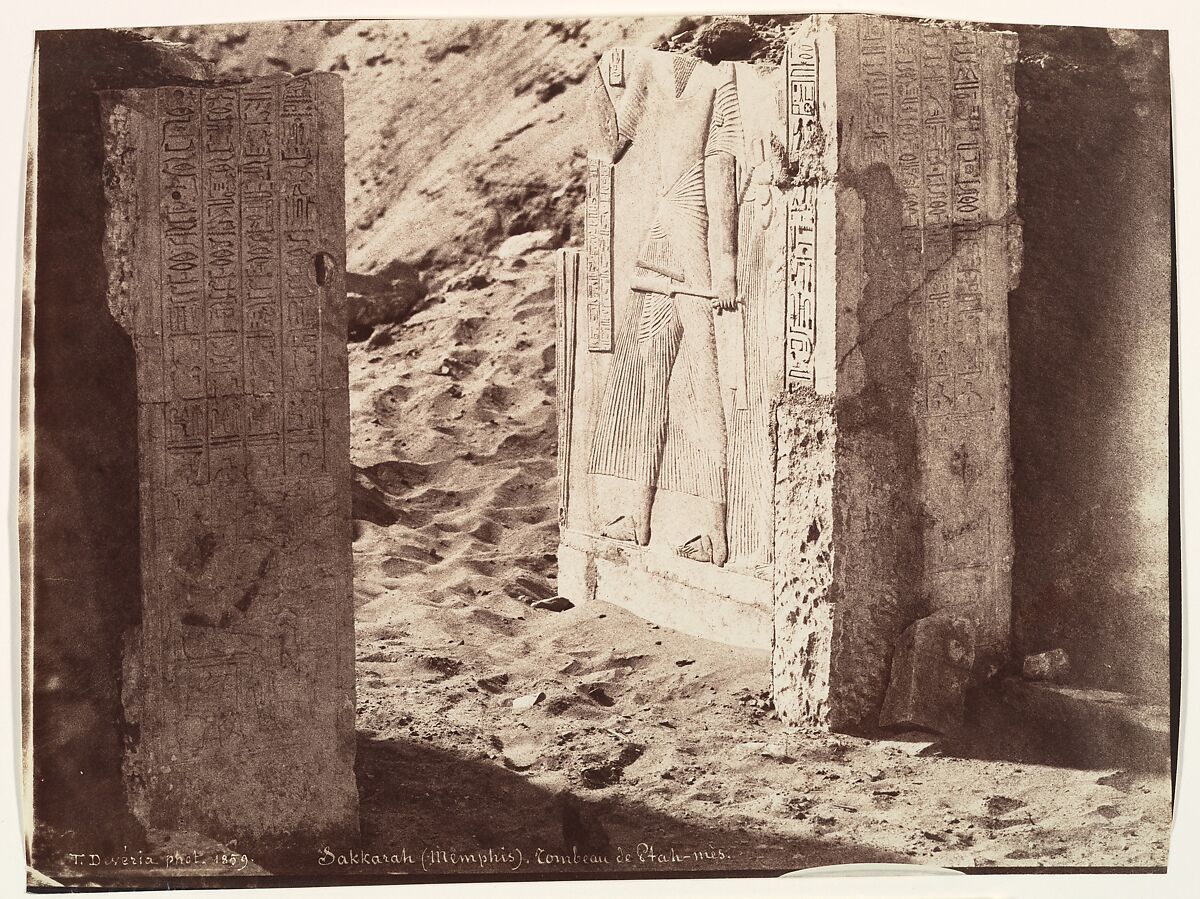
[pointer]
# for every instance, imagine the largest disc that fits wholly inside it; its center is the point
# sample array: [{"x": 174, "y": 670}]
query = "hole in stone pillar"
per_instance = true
[{"x": 323, "y": 267}]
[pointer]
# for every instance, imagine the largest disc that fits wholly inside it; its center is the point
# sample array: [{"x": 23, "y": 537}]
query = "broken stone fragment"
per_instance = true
[
  {"x": 524, "y": 703},
  {"x": 930, "y": 671},
  {"x": 1002, "y": 805},
  {"x": 520, "y": 244},
  {"x": 521, "y": 755},
  {"x": 751, "y": 747},
  {"x": 606, "y": 676},
  {"x": 1053, "y": 665},
  {"x": 596, "y": 693},
  {"x": 777, "y": 752},
  {"x": 390, "y": 297},
  {"x": 724, "y": 39},
  {"x": 598, "y": 776},
  {"x": 494, "y": 683},
  {"x": 1118, "y": 780},
  {"x": 554, "y": 604}
]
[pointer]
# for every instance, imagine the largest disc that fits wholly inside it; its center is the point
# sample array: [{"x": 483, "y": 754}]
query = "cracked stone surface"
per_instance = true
[{"x": 917, "y": 246}]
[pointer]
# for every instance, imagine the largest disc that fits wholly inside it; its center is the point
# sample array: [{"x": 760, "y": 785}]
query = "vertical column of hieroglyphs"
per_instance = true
[
  {"x": 598, "y": 237},
  {"x": 243, "y": 684},
  {"x": 197, "y": 684},
  {"x": 299, "y": 216},
  {"x": 616, "y": 67},
  {"x": 964, "y": 413},
  {"x": 222, "y": 285},
  {"x": 875, "y": 85},
  {"x": 939, "y": 313},
  {"x": 260, "y": 260},
  {"x": 908, "y": 165},
  {"x": 182, "y": 284},
  {"x": 800, "y": 69},
  {"x": 174, "y": 464}
]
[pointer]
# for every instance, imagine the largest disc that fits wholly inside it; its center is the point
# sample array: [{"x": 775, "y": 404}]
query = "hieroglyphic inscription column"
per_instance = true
[
  {"x": 954, "y": 124},
  {"x": 801, "y": 287},
  {"x": 914, "y": 432},
  {"x": 616, "y": 67},
  {"x": 598, "y": 253},
  {"x": 226, "y": 255},
  {"x": 800, "y": 73}
]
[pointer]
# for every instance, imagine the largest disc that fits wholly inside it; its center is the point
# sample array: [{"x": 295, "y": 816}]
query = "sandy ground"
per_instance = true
[
  {"x": 639, "y": 734},
  {"x": 639, "y": 748}
]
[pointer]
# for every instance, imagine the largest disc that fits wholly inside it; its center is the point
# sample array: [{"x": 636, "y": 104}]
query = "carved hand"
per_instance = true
[{"x": 724, "y": 283}]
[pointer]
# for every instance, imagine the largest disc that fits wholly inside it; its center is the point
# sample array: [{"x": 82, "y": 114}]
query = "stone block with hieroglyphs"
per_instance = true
[
  {"x": 786, "y": 350},
  {"x": 226, "y": 255},
  {"x": 910, "y": 151}
]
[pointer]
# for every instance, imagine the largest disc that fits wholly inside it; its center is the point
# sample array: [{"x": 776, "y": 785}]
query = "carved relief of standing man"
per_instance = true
[{"x": 661, "y": 422}]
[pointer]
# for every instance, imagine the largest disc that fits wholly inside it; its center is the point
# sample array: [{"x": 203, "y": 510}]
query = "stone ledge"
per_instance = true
[{"x": 692, "y": 597}]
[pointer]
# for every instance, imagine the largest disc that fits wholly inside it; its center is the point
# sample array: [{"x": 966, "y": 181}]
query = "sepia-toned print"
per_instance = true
[{"x": 641, "y": 447}]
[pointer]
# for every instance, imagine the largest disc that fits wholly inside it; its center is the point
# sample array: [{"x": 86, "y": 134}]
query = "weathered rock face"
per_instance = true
[
  {"x": 804, "y": 528},
  {"x": 805, "y": 415},
  {"x": 226, "y": 253}
]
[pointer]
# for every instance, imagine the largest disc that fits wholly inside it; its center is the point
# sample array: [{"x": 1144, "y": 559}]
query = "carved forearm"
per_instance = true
[{"x": 720, "y": 193}]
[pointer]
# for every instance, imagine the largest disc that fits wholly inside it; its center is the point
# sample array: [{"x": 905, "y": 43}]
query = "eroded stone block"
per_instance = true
[
  {"x": 930, "y": 671},
  {"x": 226, "y": 258},
  {"x": 1053, "y": 665}
]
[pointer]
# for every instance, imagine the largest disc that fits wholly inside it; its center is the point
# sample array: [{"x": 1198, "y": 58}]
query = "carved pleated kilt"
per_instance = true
[{"x": 660, "y": 417}]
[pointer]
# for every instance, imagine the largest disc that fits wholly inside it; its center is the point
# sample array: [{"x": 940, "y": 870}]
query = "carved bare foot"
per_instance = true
[
  {"x": 620, "y": 528},
  {"x": 628, "y": 529},
  {"x": 703, "y": 548},
  {"x": 634, "y": 527},
  {"x": 698, "y": 549},
  {"x": 710, "y": 546}
]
